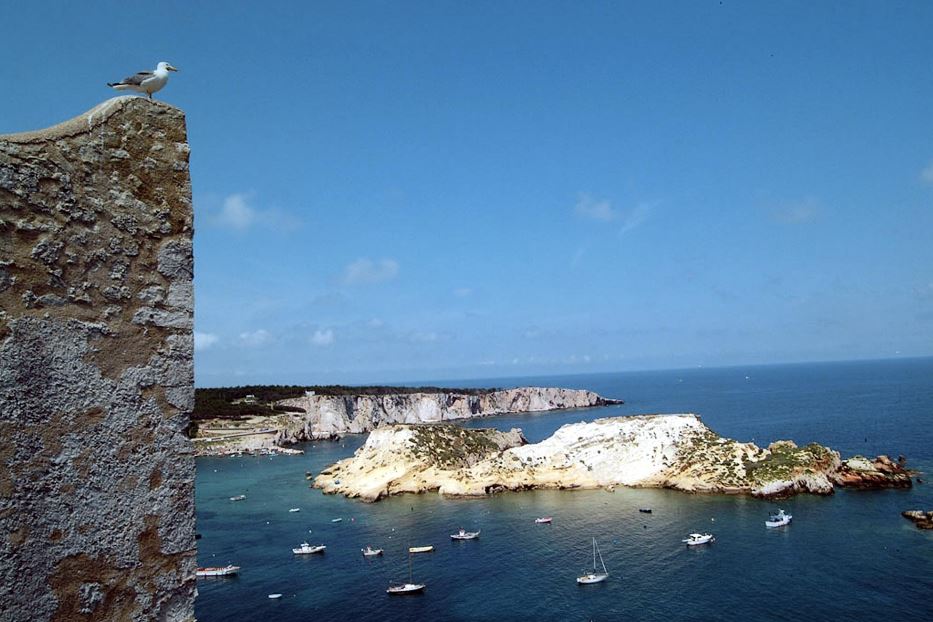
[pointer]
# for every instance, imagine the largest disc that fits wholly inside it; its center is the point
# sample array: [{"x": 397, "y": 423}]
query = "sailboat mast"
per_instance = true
[{"x": 594, "y": 554}]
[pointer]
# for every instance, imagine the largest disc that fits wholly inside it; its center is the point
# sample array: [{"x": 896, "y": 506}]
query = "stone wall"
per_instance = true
[{"x": 96, "y": 376}]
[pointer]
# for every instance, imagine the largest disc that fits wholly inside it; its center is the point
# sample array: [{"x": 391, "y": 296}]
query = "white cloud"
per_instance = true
[
  {"x": 236, "y": 213},
  {"x": 256, "y": 338},
  {"x": 635, "y": 216},
  {"x": 600, "y": 210},
  {"x": 365, "y": 270},
  {"x": 322, "y": 337},
  {"x": 203, "y": 341},
  {"x": 463, "y": 292},
  {"x": 797, "y": 212},
  {"x": 927, "y": 173}
]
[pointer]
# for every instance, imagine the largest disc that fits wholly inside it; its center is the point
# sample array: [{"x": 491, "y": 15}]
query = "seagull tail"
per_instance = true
[{"x": 118, "y": 85}]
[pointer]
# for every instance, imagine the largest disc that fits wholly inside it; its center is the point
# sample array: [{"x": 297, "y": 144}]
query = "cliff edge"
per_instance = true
[{"x": 328, "y": 416}]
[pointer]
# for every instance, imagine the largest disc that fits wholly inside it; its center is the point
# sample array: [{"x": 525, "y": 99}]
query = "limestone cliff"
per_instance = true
[
  {"x": 96, "y": 377},
  {"x": 671, "y": 451},
  {"x": 327, "y": 416}
]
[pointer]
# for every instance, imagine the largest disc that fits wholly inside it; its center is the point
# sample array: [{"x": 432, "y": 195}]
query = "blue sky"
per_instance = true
[{"x": 389, "y": 191}]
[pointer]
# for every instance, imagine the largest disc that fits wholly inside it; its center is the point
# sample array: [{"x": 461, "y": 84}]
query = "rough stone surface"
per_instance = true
[{"x": 96, "y": 376}]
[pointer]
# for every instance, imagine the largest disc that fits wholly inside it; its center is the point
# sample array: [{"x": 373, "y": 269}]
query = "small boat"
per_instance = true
[
  {"x": 594, "y": 577},
  {"x": 699, "y": 538},
  {"x": 645, "y": 510},
  {"x": 238, "y": 498},
  {"x": 275, "y": 596},
  {"x": 217, "y": 571},
  {"x": 464, "y": 535},
  {"x": 544, "y": 520},
  {"x": 778, "y": 519},
  {"x": 371, "y": 552},
  {"x": 336, "y": 520},
  {"x": 406, "y": 588},
  {"x": 307, "y": 549},
  {"x": 295, "y": 510},
  {"x": 420, "y": 549}
]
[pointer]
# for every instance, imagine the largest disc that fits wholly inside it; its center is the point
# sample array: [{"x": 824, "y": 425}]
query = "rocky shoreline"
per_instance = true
[
  {"x": 662, "y": 451},
  {"x": 328, "y": 417}
]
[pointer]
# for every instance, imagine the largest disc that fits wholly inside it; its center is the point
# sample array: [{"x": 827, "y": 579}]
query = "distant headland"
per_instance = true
[{"x": 269, "y": 418}]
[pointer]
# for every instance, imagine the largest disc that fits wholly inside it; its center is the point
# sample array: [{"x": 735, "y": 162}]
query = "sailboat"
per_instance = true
[
  {"x": 595, "y": 577},
  {"x": 406, "y": 588}
]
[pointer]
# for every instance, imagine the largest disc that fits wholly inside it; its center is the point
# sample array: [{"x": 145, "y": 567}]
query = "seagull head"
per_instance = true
[{"x": 163, "y": 66}]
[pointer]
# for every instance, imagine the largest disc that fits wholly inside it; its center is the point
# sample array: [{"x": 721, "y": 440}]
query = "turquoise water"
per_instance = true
[{"x": 849, "y": 556}]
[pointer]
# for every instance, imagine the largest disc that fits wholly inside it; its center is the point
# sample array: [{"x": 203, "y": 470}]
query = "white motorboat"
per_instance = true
[
  {"x": 594, "y": 577},
  {"x": 217, "y": 571},
  {"x": 464, "y": 535},
  {"x": 238, "y": 498},
  {"x": 544, "y": 520},
  {"x": 778, "y": 519},
  {"x": 406, "y": 588},
  {"x": 421, "y": 549},
  {"x": 336, "y": 520},
  {"x": 275, "y": 596},
  {"x": 295, "y": 510},
  {"x": 371, "y": 552},
  {"x": 307, "y": 549},
  {"x": 698, "y": 538}
]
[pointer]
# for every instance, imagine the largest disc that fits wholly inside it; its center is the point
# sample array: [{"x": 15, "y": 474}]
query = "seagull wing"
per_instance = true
[{"x": 136, "y": 79}]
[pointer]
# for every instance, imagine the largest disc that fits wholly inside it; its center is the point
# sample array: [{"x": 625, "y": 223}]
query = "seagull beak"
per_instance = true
[{"x": 170, "y": 68}]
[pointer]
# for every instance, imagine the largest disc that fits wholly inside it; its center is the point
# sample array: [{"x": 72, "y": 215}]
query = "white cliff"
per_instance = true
[
  {"x": 672, "y": 451},
  {"x": 326, "y": 416}
]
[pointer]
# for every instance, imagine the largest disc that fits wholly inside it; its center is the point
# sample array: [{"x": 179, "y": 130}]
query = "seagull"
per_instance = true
[{"x": 147, "y": 82}]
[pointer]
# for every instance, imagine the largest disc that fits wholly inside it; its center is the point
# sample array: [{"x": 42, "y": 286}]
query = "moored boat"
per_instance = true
[
  {"x": 594, "y": 577},
  {"x": 238, "y": 498},
  {"x": 295, "y": 510},
  {"x": 406, "y": 588},
  {"x": 420, "y": 549},
  {"x": 645, "y": 510},
  {"x": 217, "y": 571},
  {"x": 698, "y": 538},
  {"x": 464, "y": 535},
  {"x": 778, "y": 519},
  {"x": 275, "y": 596},
  {"x": 307, "y": 549},
  {"x": 544, "y": 520},
  {"x": 371, "y": 552}
]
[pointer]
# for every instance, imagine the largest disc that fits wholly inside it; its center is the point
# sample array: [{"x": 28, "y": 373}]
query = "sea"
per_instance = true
[{"x": 848, "y": 556}]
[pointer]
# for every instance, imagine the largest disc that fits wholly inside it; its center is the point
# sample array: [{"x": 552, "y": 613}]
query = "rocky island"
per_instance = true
[
  {"x": 316, "y": 416},
  {"x": 663, "y": 451}
]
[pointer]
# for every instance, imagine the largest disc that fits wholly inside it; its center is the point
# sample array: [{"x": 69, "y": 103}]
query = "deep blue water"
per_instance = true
[{"x": 848, "y": 556}]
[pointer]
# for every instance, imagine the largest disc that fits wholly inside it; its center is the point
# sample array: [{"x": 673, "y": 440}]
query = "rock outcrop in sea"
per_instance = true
[
  {"x": 664, "y": 451},
  {"x": 923, "y": 520},
  {"x": 327, "y": 416}
]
